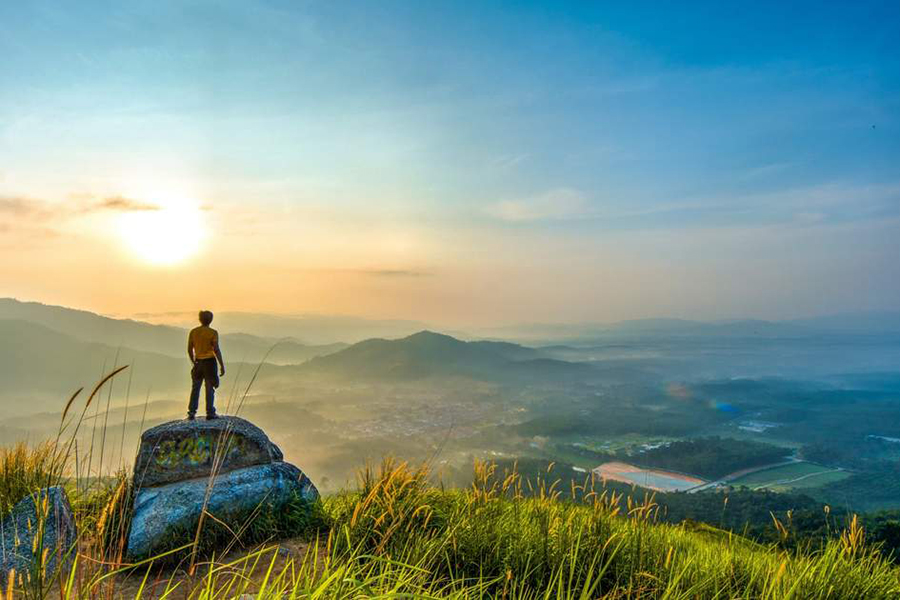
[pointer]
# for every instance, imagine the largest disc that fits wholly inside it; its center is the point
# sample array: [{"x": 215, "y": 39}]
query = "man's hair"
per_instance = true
[{"x": 206, "y": 317}]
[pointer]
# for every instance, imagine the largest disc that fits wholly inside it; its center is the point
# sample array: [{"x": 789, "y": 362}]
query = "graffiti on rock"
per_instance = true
[{"x": 195, "y": 451}]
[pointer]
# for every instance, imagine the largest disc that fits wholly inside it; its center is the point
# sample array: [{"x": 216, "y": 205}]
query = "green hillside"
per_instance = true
[
  {"x": 34, "y": 358},
  {"x": 399, "y": 535},
  {"x": 498, "y": 540},
  {"x": 92, "y": 327}
]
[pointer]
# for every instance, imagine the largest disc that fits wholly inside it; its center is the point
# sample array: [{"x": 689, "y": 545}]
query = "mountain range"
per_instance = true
[
  {"x": 161, "y": 339},
  {"x": 868, "y": 323},
  {"x": 310, "y": 329},
  {"x": 51, "y": 350}
]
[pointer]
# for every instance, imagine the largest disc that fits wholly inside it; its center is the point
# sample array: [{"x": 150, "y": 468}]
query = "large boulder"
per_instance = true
[
  {"x": 181, "y": 450},
  {"x": 40, "y": 525},
  {"x": 166, "y": 516},
  {"x": 227, "y": 468}
]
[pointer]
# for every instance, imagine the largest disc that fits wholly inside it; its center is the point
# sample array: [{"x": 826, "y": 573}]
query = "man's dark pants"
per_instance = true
[{"x": 205, "y": 371}]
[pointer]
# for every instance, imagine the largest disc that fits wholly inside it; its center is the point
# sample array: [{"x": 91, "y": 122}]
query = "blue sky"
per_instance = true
[{"x": 527, "y": 161}]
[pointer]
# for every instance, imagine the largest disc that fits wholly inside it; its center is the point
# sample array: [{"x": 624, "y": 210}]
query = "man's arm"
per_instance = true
[
  {"x": 219, "y": 356},
  {"x": 191, "y": 349}
]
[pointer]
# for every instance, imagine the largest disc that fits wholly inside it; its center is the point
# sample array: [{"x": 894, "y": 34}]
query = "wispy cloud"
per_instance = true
[
  {"x": 121, "y": 204},
  {"x": 29, "y": 209},
  {"x": 507, "y": 161},
  {"x": 371, "y": 272},
  {"x": 377, "y": 272},
  {"x": 19, "y": 207},
  {"x": 554, "y": 205},
  {"x": 803, "y": 206},
  {"x": 24, "y": 220},
  {"x": 392, "y": 273}
]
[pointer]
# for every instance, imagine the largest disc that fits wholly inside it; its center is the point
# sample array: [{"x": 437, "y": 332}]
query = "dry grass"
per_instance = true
[{"x": 25, "y": 469}]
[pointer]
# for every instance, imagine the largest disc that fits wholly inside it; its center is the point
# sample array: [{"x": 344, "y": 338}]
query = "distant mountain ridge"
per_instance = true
[
  {"x": 730, "y": 328},
  {"x": 305, "y": 336},
  {"x": 310, "y": 329},
  {"x": 429, "y": 354},
  {"x": 874, "y": 323},
  {"x": 870, "y": 323},
  {"x": 160, "y": 339},
  {"x": 43, "y": 364},
  {"x": 51, "y": 348},
  {"x": 39, "y": 362}
]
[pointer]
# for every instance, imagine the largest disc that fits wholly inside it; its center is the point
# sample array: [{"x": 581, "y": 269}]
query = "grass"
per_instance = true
[
  {"x": 400, "y": 535},
  {"x": 24, "y": 469},
  {"x": 506, "y": 543}
]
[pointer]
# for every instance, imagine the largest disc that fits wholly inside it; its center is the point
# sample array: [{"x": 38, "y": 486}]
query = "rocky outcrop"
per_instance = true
[
  {"x": 168, "y": 510},
  {"x": 40, "y": 525},
  {"x": 181, "y": 450},
  {"x": 227, "y": 467}
]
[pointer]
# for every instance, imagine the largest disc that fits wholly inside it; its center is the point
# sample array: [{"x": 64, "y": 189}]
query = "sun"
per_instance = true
[{"x": 164, "y": 232}]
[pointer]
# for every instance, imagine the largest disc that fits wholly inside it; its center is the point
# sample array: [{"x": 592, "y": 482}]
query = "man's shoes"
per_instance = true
[
  {"x": 190, "y": 417},
  {"x": 212, "y": 416}
]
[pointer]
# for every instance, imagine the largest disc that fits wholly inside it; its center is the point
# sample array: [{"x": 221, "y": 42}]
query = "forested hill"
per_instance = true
[{"x": 428, "y": 354}]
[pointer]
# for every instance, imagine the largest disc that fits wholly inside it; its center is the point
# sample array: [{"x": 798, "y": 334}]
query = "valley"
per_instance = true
[{"x": 685, "y": 408}]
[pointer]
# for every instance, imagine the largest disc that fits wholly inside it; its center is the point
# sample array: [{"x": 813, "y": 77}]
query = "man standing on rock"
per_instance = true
[{"x": 204, "y": 352}]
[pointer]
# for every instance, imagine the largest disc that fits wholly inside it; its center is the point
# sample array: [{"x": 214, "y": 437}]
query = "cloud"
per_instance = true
[
  {"x": 370, "y": 272},
  {"x": 375, "y": 272},
  {"x": 29, "y": 209},
  {"x": 23, "y": 220},
  {"x": 19, "y": 207},
  {"x": 392, "y": 273},
  {"x": 805, "y": 206},
  {"x": 122, "y": 204},
  {"x": 507, "y": 161},
  {"x": 554, "y": 205}
]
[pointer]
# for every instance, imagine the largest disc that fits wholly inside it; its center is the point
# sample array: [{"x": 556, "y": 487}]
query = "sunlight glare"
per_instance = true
[{"x": 171, "y": 233}]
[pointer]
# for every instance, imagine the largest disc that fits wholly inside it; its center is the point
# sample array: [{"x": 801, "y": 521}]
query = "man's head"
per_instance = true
[{"x": 206, "y": 317}]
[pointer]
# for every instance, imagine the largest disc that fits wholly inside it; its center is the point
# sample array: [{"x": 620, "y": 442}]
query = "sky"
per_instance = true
[{"x": 454, "y": 162}]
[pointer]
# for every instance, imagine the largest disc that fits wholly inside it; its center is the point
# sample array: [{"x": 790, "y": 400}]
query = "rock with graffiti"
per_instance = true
[
  {"x": 226, "y": 468},
  {"x": 181, "y": 450}
]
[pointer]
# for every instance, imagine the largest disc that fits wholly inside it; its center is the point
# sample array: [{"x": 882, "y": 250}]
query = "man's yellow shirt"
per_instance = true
[{"x": 204, "y": 341}]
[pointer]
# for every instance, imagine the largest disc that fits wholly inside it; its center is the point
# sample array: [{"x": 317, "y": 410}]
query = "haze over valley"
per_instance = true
[{"x": 818, "y": 397}]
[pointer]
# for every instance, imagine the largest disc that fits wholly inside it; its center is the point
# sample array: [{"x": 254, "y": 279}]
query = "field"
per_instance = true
[
  {"x": 660, "y": 481},
  {"x": 792, "y": 476},
  {"x": 583, "y": 451}
]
